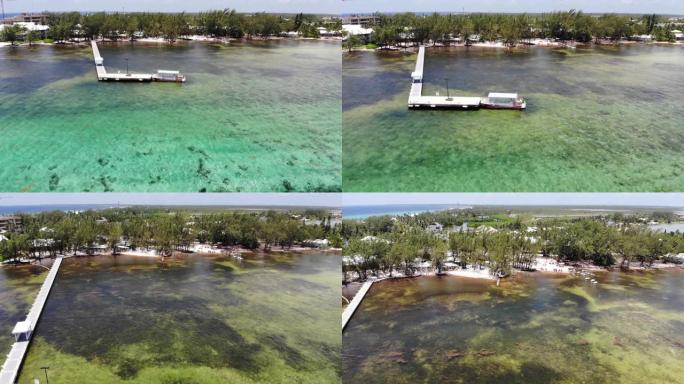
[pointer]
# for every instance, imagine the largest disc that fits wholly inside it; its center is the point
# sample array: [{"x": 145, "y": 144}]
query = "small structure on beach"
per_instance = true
[{"x": 678, "y": 35}]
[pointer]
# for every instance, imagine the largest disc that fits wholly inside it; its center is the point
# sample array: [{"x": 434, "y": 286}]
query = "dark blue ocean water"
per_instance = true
[{"x": 362, "y": 212}]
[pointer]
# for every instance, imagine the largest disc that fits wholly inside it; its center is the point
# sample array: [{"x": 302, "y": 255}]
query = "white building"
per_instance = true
[
  {"x": 435, "y": 227},
  {"x": 325, "y": 32},
  {"x": 486, "y": 229},
  {"x": 679, "y": 35},
  {"x": 644, "y": 38},
  {"x": 357, "y": 30},
  {"x": 373, "y": 239},
  {"x": 30, "y": 27},
  {"x": 318, "y": 243}
]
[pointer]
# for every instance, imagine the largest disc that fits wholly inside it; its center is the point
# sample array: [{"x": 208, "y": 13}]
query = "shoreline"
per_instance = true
[
  {"x": 543, "y": 43},
  {"x": 150, "y": 253},
  {"x": 549, "y": 266},
  {"x": 161, "y": 40}
]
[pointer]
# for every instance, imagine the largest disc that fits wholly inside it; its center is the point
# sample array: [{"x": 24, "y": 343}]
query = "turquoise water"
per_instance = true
[
  {"x": 601, "y": 119},
  {"x": 363, "y": 212},
  {"x": 258, "y": 116}
]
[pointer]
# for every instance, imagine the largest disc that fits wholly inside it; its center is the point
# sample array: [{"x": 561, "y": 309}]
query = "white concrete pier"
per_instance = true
[
  {"x": 417, "y": 100},
  {"x": 103, "y": 75},
  {"x": 24, "y": 330},
  {"x": 356, "y": 301}
]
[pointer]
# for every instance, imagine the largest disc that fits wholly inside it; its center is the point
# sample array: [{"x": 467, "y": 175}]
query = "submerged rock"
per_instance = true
[
  {"x": 395, "y": 356},
  {"x": 484, "y": 353},
  {"x": 454, "y": 355}
]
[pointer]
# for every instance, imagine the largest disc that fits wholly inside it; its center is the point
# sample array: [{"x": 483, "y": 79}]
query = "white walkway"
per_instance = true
[
  {"x": 103, "y": 75},
  {"x": 356, "y": 301},
  {"x": 12, "y": 365},
  {"x": 417, "y": 100}
]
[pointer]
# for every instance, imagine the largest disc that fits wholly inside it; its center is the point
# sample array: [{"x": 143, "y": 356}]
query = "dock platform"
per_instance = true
[
  {"x": 103, "y": 75},
  {"x": 15, "y": 358},
  {"x": 356, "y": 301},
  {"x": 416, "y": 99}
]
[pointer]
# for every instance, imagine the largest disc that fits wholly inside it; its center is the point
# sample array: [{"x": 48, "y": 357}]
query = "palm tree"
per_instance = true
[
  {"x": 31, "y": 36},
  {"x": 11, "y": 33},
  {"x": 351, "y": 42},
  {"x": 115, "y": 231}
]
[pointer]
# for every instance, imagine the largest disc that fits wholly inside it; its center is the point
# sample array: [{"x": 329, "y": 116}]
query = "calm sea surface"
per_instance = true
[
  {"x": 191, "y": 319},
  {"x": 261, "y": 117},
  {"x": 362, "y": 212},
  {"x": 598, "y": 119},
  {"x": 668, "y": 227},
  {"x": 628, "y": 328}
]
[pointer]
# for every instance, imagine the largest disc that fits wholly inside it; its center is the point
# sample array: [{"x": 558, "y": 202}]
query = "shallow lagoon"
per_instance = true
[
  {"x": 19, "y": 286},
  {"x": 598, "y": 119},
  {"x": 191, "y": 319},
  {"x": 628, "y": 328},
  {"x": 258, "y": 116}
]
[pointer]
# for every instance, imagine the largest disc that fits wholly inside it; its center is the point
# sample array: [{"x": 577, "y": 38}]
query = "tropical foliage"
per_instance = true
[
  {"x": 501, "y": 242},
  {"x": 52, "y": 233},
  {"x": 12, "y": 33},
  {"x": 410, "y": 28},
  {"x": 172, "y": 26}
]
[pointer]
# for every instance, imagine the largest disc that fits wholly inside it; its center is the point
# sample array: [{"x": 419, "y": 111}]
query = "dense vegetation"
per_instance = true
[
  {"x": 409, "y": 28},
  {"x": 52, "y": 233},
  {"x": 172, "y": 26},
  {"x": 14, "y": 33},
  {"x": 502, "y": 242}
]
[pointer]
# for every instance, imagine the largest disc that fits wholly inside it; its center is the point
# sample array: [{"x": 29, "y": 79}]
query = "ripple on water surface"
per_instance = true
[
  {"x": 601, "y": 119},
  {"x": 628, "y": 329},
  {"x": 252, "y": 117},
  {"x": 191, "y": 319}
]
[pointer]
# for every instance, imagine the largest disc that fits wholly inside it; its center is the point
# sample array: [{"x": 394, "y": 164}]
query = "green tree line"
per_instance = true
[
  {"x": 172, "y": 26},
  {"x": 410, "y": 28},
  {"x": 385, "y": 244},
  {"x": 52, "y": 233},
  {"x": 15, "y": 32}
]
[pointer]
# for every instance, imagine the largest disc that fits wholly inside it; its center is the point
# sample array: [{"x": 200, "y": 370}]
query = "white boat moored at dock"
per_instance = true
[
  {"x": 169, "y": 76},
  {"x": 497, "y": 100}
]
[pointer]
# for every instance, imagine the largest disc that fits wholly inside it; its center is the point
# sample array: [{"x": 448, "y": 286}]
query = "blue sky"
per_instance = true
[
  {"x": 351, "y": 6},
  {"x": 599, "y": 6},
  {"x": 284, "y": 6}
]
